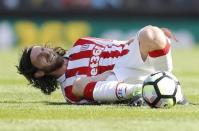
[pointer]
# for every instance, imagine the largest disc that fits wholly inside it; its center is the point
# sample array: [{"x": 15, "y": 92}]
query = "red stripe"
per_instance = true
[
  {"x": 105, "y": 68},
  {"x": 82, "y": 41},
  {"x": 124, "y": 52},
  {"x": 111, "y": 54},
  {"x": 161, "y": 52},
  {"x": 69, "y": 95},
  {"x": 81, "y": 54},
  {"x": 88, "y": 91},
  {"x": 77, "y": 71},
  {"x": 114, "y": 53}
]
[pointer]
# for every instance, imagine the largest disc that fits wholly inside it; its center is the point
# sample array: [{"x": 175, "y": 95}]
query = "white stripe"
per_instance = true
[
  {"x": 107, "y": 61},
  {"x": 113, "y": 48},
  {"x": 61, "y": 78},
  {"x": 91, "y": 46},
  {"x": 87, "y": 47},
  {"x": 101, "y": 41},
  {"x": 69, "y": 81},
  {"x": 84, "y": 62},
  {"x": 77, "y": 48},
  {"x": 119, "y": 42}
]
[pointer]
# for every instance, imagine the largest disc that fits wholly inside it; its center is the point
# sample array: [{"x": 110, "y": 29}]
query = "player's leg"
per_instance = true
[
  {"x": 109, "y": 90},
  {"x": 155, "y": 45}
]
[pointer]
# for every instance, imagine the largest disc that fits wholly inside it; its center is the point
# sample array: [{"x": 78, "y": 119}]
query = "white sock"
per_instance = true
[
  {"x": 161, "y": 59},
  {"x": 110, "y": 91}
]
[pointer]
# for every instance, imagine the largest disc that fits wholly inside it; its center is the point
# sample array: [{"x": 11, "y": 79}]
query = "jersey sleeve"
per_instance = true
[{"x": 83, "y": 41}]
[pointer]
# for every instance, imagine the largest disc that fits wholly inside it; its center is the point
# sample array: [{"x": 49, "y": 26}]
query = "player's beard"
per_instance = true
[{"x": 58, "y": 63}]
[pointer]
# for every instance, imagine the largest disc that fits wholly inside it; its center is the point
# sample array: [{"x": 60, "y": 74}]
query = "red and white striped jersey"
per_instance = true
[{"x": 89, "y": 57}]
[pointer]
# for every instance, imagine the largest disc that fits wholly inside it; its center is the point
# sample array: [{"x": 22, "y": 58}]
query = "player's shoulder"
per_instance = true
[
  {"x": 85, "y": 40},
  {"x": 93, "y": 40},
  {"x": 98, "y": 41}
]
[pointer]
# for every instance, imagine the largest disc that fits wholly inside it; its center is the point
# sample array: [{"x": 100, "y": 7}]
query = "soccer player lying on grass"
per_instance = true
[{"x": 99, "y": 70}]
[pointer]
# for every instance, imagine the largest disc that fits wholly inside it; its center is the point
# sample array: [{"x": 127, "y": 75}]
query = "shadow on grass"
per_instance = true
[
  {"x": 42, "y": 102},
  {"x": 88, "y": 104},
  {"x": 54, "y": 103},
  {"x": 34, "y": 102}
]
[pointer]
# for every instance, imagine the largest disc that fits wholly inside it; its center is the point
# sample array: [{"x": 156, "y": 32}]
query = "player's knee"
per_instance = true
[{"x": 152, "y": 38}]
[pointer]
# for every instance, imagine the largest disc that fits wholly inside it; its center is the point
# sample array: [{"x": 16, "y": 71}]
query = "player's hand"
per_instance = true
[
  {"x": 101, "y": 77},
  {"x": 79, "y": 86}
]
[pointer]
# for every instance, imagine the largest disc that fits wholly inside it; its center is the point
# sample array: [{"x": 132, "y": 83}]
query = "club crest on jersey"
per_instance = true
[{"x": 84, "y": 47}]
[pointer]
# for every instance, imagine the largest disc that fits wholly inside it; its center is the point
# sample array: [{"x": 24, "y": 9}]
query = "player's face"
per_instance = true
[{"x": 46, "y": 59}]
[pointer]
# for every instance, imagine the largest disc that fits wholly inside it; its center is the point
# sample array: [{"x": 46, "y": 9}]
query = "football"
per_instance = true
[{"x": 159, "y": 90}]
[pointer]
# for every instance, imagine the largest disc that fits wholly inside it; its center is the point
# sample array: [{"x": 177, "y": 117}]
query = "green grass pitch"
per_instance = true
[{"x": 25, "y": 108}]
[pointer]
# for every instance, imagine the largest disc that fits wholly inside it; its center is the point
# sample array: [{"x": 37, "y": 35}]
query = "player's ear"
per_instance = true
[{"x": 39, "y": 74}]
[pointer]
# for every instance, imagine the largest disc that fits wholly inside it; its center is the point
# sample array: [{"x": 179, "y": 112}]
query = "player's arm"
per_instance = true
[{"x": 81, "y": 82}]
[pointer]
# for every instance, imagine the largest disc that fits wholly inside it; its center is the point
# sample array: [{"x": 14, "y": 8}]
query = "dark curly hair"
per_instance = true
[{"x": 47, "y": 84}]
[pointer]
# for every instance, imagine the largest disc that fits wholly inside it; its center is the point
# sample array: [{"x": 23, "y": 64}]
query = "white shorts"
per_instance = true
[{"x": 131, "y": 68}]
